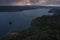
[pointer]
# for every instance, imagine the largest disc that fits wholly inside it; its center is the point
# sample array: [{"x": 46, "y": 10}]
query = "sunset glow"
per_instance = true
[
  {"x": 30, "y": 2},
  {"x": 24, "y": 2}
]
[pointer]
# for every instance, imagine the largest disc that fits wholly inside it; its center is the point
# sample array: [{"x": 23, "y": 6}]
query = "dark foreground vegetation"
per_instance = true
[{"x": 46, "y": 27}]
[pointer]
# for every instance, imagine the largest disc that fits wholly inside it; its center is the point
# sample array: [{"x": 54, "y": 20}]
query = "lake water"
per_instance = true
[{"x": 20, "y": 20}]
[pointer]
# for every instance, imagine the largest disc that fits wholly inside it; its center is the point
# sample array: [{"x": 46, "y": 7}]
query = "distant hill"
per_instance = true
[
  {"x": 17, "y": 8},
  {"x": 21, "y": 8}
]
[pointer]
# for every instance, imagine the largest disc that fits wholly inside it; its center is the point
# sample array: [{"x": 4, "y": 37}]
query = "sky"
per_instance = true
[{"x": 29, "y": 2}]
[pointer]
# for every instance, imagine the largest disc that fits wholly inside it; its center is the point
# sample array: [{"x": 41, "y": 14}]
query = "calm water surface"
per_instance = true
[{"x": 20, "y": 20}]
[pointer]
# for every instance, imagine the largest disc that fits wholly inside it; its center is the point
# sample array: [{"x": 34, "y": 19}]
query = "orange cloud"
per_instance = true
[{"x": 24, "y": 2}]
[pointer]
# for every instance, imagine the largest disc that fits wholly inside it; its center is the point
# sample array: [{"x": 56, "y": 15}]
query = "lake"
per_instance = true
[{"x": 20, "y": 20}]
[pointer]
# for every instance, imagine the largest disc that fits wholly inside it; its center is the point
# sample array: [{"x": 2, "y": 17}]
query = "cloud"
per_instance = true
[
  {"x": 54, "y": 2},
  {"x": 22, "y": 2}
]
